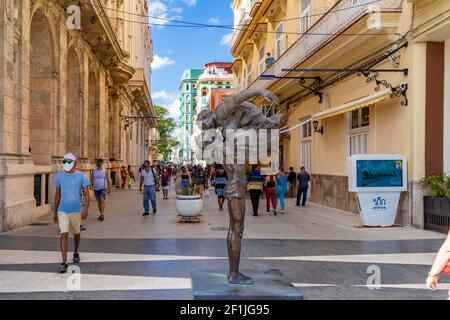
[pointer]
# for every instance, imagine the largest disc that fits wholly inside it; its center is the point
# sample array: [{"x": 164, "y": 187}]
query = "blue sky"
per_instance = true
[{"x": 177, "y": 49}]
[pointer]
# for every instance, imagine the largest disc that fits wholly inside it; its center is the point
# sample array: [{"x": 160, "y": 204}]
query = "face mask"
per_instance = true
[{"x": 68, "y": 166}]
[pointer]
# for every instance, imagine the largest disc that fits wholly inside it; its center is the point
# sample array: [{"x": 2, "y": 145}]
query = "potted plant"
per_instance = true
[
  {"x": 437, "y": 204},
  {"x": 188, "y": 203}
]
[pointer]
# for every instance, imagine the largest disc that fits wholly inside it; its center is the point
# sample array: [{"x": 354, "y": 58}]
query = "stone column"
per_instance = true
[{"x": 116, "y": 123}]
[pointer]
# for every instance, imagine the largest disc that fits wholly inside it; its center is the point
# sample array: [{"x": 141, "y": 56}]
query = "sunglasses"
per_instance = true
[{"x": 67, "y": 161}]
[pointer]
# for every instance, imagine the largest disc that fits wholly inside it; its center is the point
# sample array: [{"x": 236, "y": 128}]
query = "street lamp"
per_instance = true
[{"x": 316, "y": 127}]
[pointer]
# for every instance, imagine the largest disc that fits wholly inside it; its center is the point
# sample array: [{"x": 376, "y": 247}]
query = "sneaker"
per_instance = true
[
  {"x": 283, "y": 212},
  {"x": 62, "y": 268},
  {"x": 154, "y": 211},
  {"x": 255, "y": 215},
  {"x": 146, "y": 214},
  {"x": 275, "y": 213},
  {"x": 76, "y": 257}
]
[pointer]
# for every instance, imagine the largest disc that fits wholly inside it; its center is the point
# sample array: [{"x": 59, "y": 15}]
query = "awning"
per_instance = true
[
  {"x": 353, "y": 105},
  {"x": 285, "y": 129}
]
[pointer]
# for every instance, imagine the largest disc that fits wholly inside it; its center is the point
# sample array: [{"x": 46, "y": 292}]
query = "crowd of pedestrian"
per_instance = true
[
  {"x": 73, "y": 187},
  {"x": 72, "y": 196}
]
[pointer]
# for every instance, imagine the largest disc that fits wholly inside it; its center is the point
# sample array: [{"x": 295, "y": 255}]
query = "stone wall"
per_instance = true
[{"x": 60, "y": 91}]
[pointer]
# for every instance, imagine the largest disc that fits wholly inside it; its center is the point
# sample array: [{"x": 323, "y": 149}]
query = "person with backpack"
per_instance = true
[{"x": 148, "y": 180}]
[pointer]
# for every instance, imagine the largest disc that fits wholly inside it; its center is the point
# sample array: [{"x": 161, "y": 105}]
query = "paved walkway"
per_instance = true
[{"x": 128, "y": 256}]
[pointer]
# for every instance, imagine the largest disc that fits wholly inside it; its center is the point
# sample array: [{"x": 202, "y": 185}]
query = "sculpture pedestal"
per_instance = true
[{"x": 269, "y": 285}]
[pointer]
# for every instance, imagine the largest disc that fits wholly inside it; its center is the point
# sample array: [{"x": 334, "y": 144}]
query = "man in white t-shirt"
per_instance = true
[{"x": 148, "y": 179}]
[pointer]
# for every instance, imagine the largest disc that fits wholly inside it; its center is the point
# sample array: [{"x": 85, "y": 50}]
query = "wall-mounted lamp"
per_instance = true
[{"x": 316, "y": 127}]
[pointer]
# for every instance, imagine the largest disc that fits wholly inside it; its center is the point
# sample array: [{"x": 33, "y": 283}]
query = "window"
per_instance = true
[
  {"x": 262, "y": 60},
  {"x": 360, "y": 118},
  {"x": 269, "y": 111},
  {"x": 306, "y": 130},
  {"x": 358, "y": 138},
  {"x": 187, "y": 118},
  {"x": 280, "y": 40},
  {"x": 204, "y": 92},
  {"x": 188, "y": 109},
  {"x": 306, "y": 16},
  {"x": 194, "y": 86},
  {"x": 187, "y": 128},
  {"x": 187, "y": 86},
  {"x": 188, "y": 99},
  {"x": 306, "y": 144},
  {"x": 249, "y": 74}
]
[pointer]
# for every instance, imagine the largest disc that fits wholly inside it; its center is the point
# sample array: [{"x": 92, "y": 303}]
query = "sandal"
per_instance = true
[{"x": 101, "y": 218}]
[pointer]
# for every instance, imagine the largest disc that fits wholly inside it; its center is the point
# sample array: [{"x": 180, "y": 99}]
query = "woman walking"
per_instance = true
[
  {"x": 270, "y": 195},
  {"x": 123, "y": 176},
  {"x": 440, "y": 265},
  {"x": 165, "y": 178},
  {"x": 221, "y": 181},
  {"x": 130, "y": 177},
  {"x": 281, "y": 189},
  {"x": 255, "y": 186}
]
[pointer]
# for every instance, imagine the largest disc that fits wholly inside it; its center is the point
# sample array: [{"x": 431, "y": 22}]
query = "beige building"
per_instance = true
[
  {"x": 80, "y": 86},
  {"x": 397, "y": 103}
]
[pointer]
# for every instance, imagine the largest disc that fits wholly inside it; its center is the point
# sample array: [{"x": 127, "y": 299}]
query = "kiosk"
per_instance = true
[{"x": 378, "y": 180}]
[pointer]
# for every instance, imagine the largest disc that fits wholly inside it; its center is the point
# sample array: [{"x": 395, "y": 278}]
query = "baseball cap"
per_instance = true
[{"x": 70, "y": 156}]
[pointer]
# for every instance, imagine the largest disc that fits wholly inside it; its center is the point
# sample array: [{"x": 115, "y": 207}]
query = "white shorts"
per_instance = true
[{"x": 69, "y": 222}]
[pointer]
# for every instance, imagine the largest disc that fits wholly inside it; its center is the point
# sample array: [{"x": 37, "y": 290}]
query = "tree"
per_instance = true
[{"x": 166, "y": 128}]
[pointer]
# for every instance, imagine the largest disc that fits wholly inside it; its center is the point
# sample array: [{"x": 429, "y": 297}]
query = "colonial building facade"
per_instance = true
[
  {"x": 353, "y": 77},
  {"x": 72, "y": 79},
  {"x": 215, "y": 83},
  {"x": 188, "y": 108}
]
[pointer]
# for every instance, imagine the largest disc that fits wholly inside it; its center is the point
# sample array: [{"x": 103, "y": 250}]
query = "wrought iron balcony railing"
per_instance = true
[{"x": 340, "y": 17}]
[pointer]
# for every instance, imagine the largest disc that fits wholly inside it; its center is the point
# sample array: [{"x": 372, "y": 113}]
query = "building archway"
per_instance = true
[
  {"x": 93, "y": 116},
  {"x": 74, "y": 105},
  {"x": 42, "y": 89}
]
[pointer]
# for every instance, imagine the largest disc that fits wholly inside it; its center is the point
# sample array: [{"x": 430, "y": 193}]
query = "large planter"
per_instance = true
[
  {"x": 437, "y": 214},
  {"x": 189, "y": 206}
]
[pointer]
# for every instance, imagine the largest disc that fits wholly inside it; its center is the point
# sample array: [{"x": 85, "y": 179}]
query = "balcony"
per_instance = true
[
  {"x": 341, "y": 17},
  {"x": 256, "y": 4},
  {"x": 241, "y": 28}
]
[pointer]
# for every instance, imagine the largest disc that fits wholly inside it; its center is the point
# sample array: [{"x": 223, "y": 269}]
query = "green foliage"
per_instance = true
[
  {"x": 166, "y": 127},
  {"x": 438, "y": 186},
  {"x": 187, "y": 191}
]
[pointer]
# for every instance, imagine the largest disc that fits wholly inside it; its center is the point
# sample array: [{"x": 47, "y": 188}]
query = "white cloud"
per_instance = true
[
  {"x": 226, "y": 39},
  {"x": 174, "y": 108},
  {"x": 164, "y": 95},
  {"x": 177, "y": 10},
  {"x": 189, "y": 3},
  {"x": 213, "y": 20},
  {"x": 161, "y": 62},
  {"x": 160, "y": 13}
]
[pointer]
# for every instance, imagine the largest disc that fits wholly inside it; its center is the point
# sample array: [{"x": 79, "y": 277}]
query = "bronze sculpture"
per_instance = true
[{"x": 237, "y": 112}]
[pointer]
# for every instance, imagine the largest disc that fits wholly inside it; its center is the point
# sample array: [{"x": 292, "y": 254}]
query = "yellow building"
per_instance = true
[{"x": 368, "y": 75}]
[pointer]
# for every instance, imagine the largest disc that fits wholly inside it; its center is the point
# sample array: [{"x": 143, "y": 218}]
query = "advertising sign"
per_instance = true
[{"x": 378, "y": 181}]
